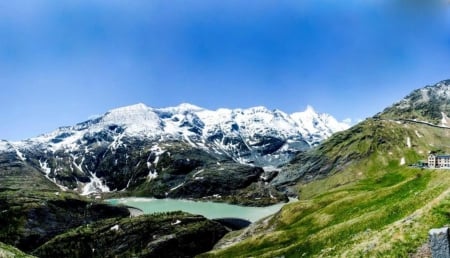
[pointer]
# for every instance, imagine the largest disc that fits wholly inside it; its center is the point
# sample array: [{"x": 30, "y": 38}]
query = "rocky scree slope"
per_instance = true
[
  {"x": 172, "y": 152},
  {"x": 362, "y": 191}
]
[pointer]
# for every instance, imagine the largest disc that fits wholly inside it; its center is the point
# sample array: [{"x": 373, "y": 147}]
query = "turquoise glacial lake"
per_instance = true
[{"x": 210, "y": 210}]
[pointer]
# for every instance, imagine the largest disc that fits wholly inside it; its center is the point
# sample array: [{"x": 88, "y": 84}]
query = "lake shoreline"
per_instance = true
[{"x": 208, "y": 209}]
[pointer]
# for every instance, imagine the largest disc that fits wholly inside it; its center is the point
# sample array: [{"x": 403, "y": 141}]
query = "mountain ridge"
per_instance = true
[
  {"x": 142, "y": 114},
  {"x": 428, "y": 104},
  {"x": 127, "y": 146}
]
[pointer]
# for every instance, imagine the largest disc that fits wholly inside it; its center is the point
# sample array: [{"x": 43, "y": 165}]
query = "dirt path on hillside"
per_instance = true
[
  {"x": 381, "y": 240},
  {"x": 426, "y": 208}
]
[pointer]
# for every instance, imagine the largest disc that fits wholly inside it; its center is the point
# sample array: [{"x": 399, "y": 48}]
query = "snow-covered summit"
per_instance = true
[
  {"x": 311, "y": 122},
  {"x": 183, "y": 107},
  {"x": 237, "y": 133},
  {"x": 137, "y": 119}
]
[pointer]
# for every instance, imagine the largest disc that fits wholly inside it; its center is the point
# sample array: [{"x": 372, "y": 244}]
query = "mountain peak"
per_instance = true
[
  {"x": 138, "y": 117},
  {"x": 257, "y": 109},
  {"x": 183, "y": 107},
  {"x": 441, "y": 88},
  {"x": 310, "y": 109},
  {"x": 443, "y": 83},
  {"x": 130, "y": 108},
  {"x": 188, "y": 106},
  {"x": 318, "y": 122},
  {"x": 308, "y": 112},
  {"x": 428, "y": 104}
]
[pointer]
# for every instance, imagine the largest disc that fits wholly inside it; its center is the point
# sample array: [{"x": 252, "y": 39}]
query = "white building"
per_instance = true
[{"x": 438, "y": 161}]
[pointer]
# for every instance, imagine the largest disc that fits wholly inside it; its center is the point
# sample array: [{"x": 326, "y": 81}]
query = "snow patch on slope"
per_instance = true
[
  {"x": 445, "y": 120},
  {"x": 153, "y": 173},
  {"x": 418, "y": 134},
  {"x": 96, "y": 185},
  {"x": 19, "y": 154},
  {"x": 176, "y": 187},
  {"x": 45, "y": 168}
]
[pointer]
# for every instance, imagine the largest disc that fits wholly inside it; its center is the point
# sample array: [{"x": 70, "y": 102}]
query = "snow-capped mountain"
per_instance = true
[
  {"x": 201, "y": 128},
  {"x": 92, "y": 155}
]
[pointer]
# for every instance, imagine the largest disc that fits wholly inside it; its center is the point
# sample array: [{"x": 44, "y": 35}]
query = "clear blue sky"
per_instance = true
[{"x": 64, "y": 61}]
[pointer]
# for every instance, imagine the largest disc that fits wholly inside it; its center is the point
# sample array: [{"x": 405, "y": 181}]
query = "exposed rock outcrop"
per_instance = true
[
  {"x": 29, "y": 218},
  {"x": 173, "y": 234}
]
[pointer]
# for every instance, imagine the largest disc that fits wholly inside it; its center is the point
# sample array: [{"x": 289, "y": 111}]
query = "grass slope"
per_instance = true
[
  {"x": 7, "y": 251},
  {"x": 370, "y": 205}
]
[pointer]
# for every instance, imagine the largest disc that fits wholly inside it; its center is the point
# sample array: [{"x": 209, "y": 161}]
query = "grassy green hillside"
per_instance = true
[
  {"x": 7, "y": 251},
  {"x": 368, "y": 202}
]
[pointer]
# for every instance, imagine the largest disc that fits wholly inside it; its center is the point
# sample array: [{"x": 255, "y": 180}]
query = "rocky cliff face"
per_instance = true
[
  {"x": 174, "y": 234},
  {"x": 29, "y": 218}
]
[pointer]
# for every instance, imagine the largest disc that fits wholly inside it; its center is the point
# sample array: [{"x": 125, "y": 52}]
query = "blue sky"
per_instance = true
[{"x": 64, "y": 61}]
